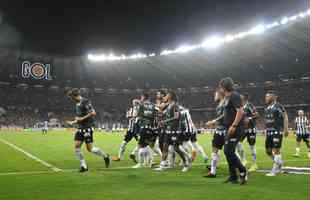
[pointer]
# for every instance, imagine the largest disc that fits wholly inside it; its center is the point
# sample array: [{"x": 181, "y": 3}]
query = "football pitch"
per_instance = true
[{"x": 44, "y": 167}]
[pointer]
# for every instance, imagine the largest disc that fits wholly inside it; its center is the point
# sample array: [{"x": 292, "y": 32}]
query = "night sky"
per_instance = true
[{"x": 78, "y": 27}]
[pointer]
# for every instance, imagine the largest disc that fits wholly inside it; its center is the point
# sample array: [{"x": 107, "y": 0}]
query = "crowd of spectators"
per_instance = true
[{"x": 26, "y": 106}]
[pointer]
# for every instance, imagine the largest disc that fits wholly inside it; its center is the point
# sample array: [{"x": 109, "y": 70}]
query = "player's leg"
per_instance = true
[
  {"x": 198, "y": 148},
  {"x": 151, "y": 143},
  {"x": 142, "y": 149},
  {"x": 277, "y": 157},
  {"x": 78, "y": 142},
  {"x": 164, "y": 143},
  {"x": 277, "y": 162},
  {"x": 215, "y": 156},
  {"x": 171, "y": 156},
  {"x": 186, "y": 158},
  {"x": 298, "y": 141},
  {"x": 157, "y": 147},
  {"x": 134, "y": 154},
  {"x": 240, "y": 148},
  {"x": 218, "y": 142},
  {"x": 251, "y": 138},
  {"x": 88, "y": 135},
  {"x": 307, "y": 142},
  {"x": 234, "y": 161},
  {"x": 128, "y": 137}
]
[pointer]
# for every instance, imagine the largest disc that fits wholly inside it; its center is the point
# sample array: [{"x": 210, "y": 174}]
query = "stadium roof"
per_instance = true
[{"x": 279, "y": 53}]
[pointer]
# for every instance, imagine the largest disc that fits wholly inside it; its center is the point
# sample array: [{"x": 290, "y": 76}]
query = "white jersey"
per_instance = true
[
  {"x": 45, "y": 125},
  {"x": 131, "y": 115},
  {"x": 301, "y": 124},
  {"x": 189, "y": 124}
]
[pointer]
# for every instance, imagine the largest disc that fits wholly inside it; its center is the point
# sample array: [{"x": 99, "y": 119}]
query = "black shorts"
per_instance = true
[
  {"x": 84, "y": 135},
  {"x": 193, "y": 137},
  {"x": 130, "y": 135},
  {"x": 302, "y": 137},
  {"x": 250, "y": 134},
  {"x": 171, "y": 137},
  {"x": 218, "y": 140},
  {"x": 147, "y": 137},
  {"x": 273, "y": 141},
  {"x": 185, "y": 136}
]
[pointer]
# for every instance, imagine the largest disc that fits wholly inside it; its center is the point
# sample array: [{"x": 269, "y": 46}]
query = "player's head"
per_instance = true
[
  {"x": 219, "y": 95},
  {"x": 74, "y": 95},
  {"x": 170, "y": 96},
  {"x": 135, "y": 102},
  {"x": 301, "y": 113},
  {"x": 245, "y": 97},
  {"x": 270, "y": 97},
  {"x": 160, "y": 94},
  {"x": 226, "y": 85},
  {"x": 145, "y": 96}
]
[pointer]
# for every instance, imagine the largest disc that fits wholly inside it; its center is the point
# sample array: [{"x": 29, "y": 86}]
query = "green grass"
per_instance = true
[{"x": 56, "y": 148}]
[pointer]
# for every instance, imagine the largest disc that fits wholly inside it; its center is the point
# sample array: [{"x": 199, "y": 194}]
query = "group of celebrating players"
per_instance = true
[{"x": 166, "y": 128}]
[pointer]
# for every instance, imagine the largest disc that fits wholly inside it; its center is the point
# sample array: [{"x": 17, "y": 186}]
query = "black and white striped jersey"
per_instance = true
[{"x": 301, "y": 125}]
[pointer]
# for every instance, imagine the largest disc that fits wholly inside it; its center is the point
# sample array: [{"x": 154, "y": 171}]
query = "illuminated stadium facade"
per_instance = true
[{"x": 253, "y": 58}]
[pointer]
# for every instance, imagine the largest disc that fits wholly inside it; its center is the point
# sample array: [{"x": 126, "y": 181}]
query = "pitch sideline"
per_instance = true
[
  {"x": 110, "y": 169},
  {"x": 46, "y": 164}
]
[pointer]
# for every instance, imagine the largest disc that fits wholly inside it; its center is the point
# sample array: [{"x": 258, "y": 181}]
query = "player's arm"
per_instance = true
[
  {"x": 238, "y": 117},
  {"x": 237, "y": 103},
  {"x": 71, "y": 122},
  {"x": 213, "y": 122},
  {"x": 285, "y": 122},
  {"x": 90, "y": 113}
]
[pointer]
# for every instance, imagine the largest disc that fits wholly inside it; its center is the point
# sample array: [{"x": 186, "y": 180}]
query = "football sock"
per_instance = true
[
  {"x": 122, "y": 150},
  {"x": 80, "y": 157},
  {"x": 253, "y": 151},
  {"x": 200, "y": 150},
  {"x": 240, "y": 151},
  {"x": 97, "y": 151},
  {"x": 214, "y": 160}
]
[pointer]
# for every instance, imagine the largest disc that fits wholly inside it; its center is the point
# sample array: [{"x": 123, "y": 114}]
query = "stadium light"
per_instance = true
[
  {"x": 284, "y": 21},
  {"x": 258, "y": 29},
  {"x": 211, "y": 42},
  {"x": 185, "y": 48}
]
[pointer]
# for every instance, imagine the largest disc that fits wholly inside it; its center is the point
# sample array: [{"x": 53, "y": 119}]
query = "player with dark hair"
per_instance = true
[
  {"x": 302, "y": 132},
  {"x": 85, "y": 119},
  {"x": 132, "y": 132},
  {"x": 219, "y": 135},
  {"x": 276, "y": 121},
  {"x": 250, "y": 116},
  {"x": 172, "y": 133},
  {"x": 146, "y": 116},
  {"x": 233, "y": 123}
]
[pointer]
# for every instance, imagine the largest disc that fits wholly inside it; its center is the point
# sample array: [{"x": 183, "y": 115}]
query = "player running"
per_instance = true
[
  {"x": 85, "y": 119},
  {"x": 276, "y": 121},
  {"x": 250, "y": 116},
  {"x": 133, "y": 129},
  {"x": 219, "y": 135},
  {"x": 302, "y": 132}
]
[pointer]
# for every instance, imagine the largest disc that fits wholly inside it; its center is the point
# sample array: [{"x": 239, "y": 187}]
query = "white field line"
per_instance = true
[
  {"x": 121, "y": 168},
  {"x": 46, "y": 164}
]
